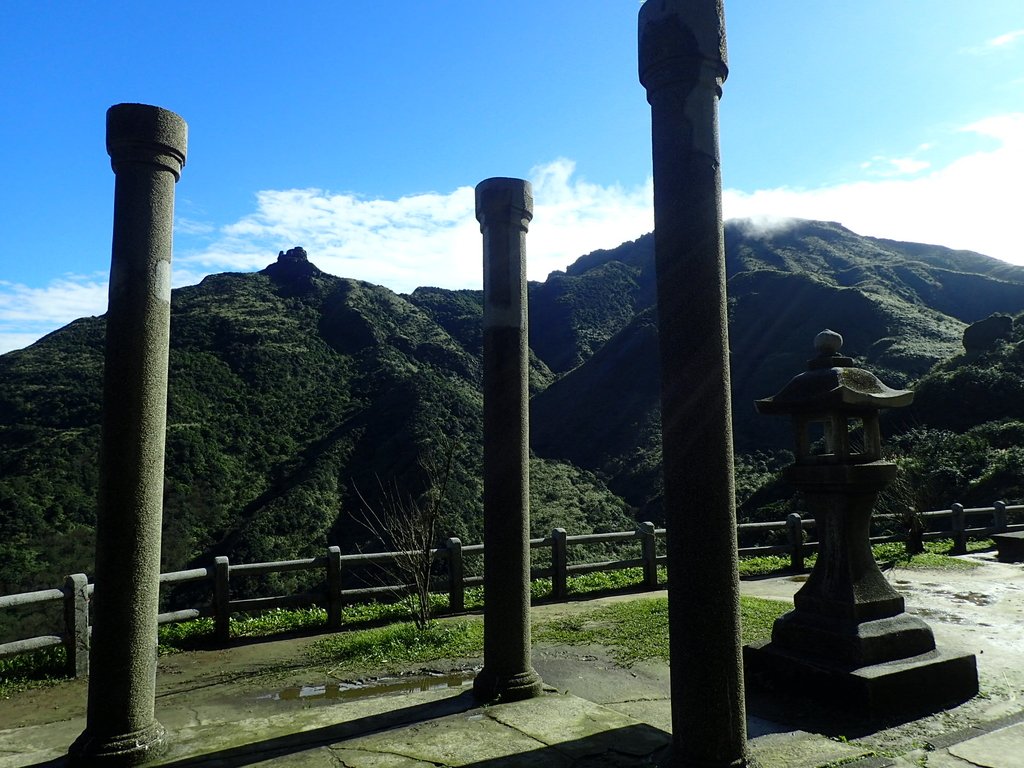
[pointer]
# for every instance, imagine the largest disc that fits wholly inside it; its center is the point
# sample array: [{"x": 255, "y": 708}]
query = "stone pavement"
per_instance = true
[
  {"x": 446, "y": 728},
  {"x": 255, "y": 705}
]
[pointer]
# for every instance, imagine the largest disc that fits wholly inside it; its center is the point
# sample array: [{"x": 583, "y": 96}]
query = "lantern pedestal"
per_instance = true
[
  {"x": 918, "y": 684},
  {"x": 849, "y": 640}
]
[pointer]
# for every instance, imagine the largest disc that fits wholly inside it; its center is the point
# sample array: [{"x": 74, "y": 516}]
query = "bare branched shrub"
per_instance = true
[{"x": 409, "y": 524}]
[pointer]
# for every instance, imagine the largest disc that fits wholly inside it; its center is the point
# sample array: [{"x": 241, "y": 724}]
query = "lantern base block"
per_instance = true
[{"x": 905, "y": 687}]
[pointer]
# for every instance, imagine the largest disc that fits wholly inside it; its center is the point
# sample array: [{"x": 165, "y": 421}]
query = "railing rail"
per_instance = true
[{"x": 76, "y": 590}]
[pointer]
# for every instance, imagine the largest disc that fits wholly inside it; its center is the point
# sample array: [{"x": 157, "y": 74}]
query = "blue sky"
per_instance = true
[{"x": 358, "y": 129}]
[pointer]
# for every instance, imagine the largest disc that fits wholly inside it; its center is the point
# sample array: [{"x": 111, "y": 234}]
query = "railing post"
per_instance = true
[
  {"x": 334, "y": 601},
  {"x": 76, "y": 624},
  {"x": 221, "y": 600},
  {"x": 456, "y": 583},
  {"x": 795, "y": 532},
  {"x": 559, "y": 564},
  {"x": 959, "y": 526},
  {"x": 999, "y": 515},
  {"x": 649, "y": 554}
]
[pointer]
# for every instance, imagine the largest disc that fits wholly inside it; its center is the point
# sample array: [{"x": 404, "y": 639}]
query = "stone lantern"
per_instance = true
[{"x": 849, "y": 639}]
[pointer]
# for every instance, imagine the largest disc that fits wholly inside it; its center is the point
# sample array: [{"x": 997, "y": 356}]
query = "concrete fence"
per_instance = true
[{"x": 332, "y": 595}]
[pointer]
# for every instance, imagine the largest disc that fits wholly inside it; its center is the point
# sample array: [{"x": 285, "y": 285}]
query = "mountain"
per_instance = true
[
  {"x": 901, "y": 307},
  {"x": 294, "y": 392}
]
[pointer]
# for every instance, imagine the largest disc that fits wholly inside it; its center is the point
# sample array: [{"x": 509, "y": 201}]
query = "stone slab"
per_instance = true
[
  {"x": 357, "y": 758},
  {"x": 580, "y": 728},
  {"x": 798, "y": 749},
  {"x": 1000, "y": 749},
  {"x": 456, "y": 741},
  {"x": 426, "y": 728}
]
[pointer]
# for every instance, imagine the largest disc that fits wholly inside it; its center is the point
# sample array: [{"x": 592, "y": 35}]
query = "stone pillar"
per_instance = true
[
  {"x": 147, "y": 152},
  {"x": 682, "y": 67},
  {"x": 504, "y": 208}
]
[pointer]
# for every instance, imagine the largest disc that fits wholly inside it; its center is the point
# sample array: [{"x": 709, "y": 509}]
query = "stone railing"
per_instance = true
[{"x": 332, "y": 595}]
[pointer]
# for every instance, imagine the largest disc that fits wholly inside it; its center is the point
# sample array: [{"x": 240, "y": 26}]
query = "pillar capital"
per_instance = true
[
  {"x": 679, "y": 38},
  {"x": 502, "y": 200},
  {"x": 140, "y": 133}
]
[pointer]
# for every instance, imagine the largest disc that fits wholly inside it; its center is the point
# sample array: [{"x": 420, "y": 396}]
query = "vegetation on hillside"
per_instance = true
[{"x": 291, "y": 388}]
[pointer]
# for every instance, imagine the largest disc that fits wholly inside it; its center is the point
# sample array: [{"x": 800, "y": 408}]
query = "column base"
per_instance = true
[
  {"x": 906, "y": 687},
  {"x": 127, "y": 749},
  {"x": 490, "y": 687},
  {"x": 843, "y": 641}
]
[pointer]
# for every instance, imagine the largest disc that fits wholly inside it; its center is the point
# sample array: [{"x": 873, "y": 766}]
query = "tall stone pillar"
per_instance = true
[
  {"x": 504, "y": 208},
  {"x": 682, "y": 67},
  {"x": 147, "y": 152}
]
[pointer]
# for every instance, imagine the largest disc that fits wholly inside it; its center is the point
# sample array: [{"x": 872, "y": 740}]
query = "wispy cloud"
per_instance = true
[
  {"x": 426, "y": 239},
  {"x": 996, "y": 45},
  {"x": 434, "y": 239},
  {"x": 70, "y": 296},
  {"x": 416, "y": 240},
  {"x": 28, "y": 313},
  {"x": 187, "y": 226},
  {"x": 893, "y": 166},
  {"x": 971, "y": 203},
  {"x": 1005, "y": 40}
]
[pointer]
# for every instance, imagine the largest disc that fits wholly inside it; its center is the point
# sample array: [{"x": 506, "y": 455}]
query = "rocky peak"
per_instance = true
[{"x": 291, "y": 265}]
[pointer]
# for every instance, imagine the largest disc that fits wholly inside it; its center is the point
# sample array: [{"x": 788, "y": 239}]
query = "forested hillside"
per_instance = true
[
  {"x": 901, "y": 307},
  {"x": 293, "y": 391}
]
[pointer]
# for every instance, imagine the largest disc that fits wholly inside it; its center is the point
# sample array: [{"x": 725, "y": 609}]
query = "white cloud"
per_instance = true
[
  {"x": 186, "y": 226},
  {"x": 425, "y": 239},
  {"x": 972, "y": 203},
  {"x": 573, "y": 217},
  {"x": 28, "y": 313},
  {"x": 893, "y": 166},
  {"x": 1002, "y": 41},
  {"x": 10, "y": 340},
  {"x": 434, "y": 239}
]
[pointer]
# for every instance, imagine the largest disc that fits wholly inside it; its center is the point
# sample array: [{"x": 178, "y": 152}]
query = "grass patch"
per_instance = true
[
  {"x": 757, "y": 616},
  {"x": 191, "y": 634},
  {"x": 639, "y": 636},
  {"x": 400, "y": 644},
  {"x": 763, "y": 565},
  {"x": 936, "y": 555},
  {"x": 46, "y": 666},
  {"x": 637, "y": 630}
]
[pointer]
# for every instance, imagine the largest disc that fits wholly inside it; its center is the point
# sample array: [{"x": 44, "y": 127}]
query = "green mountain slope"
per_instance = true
[
  {"x": 901, "y": 307},
  {"x": 292, "y": 391}
]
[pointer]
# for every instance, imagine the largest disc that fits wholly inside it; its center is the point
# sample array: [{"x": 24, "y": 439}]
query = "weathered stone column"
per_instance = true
[
  {"x": 682, "y": 67},
  {"x": 147, "y": 152},
  {"x": 504, "y": 208}
]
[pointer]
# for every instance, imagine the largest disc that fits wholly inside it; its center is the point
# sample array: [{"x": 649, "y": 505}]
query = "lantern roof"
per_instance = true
[{"x": 832, "y": 383}]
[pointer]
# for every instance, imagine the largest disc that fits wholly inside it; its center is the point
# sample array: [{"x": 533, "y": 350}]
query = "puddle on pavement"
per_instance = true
[
  {"x": 365, "y": 689},
  {"x": 943, "y": 616},
  {"x": 977, "y": 598}
]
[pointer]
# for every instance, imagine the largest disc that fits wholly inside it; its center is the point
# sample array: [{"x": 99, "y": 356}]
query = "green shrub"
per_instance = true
[{"x": 42, "y": 667}]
